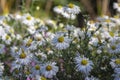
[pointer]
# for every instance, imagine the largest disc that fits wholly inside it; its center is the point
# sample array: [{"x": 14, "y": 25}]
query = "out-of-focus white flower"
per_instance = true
[
  {"x": 2, "y": 31},
  {"x": 116, "y": 6},
  {"x": 72, "y": 9},
  {"x": 69, "y": 27},
  {"x": 58, "y": 9},
  {"x": 6, "y": 38},
  {"x": 49, "y": 70},
  {"x": 115, "y": 63},
  {"x": 28, "y": 20},
  {"x": 84, "y": 65}
]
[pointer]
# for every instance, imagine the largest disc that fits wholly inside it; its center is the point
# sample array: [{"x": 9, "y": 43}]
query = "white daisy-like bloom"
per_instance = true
[
  {"x": 61, "y": 42},
  {"x": 24, "y": 57},
  {"x": 84, "y": 65},
  {"x": 38, "y": 77},
  {"x": 116, "y": 74},
  {"x": 39, "y": 39},
  {"x": 2, "y": 48},
  {"x": 30, "y": 43},
  {"x": 31, "y": 29},
  {"x": 6, "y": 38},
  {"x": 58, "y": 9},
  {"x": 91, "y": 78},
  {"x": 116, "y": 6},
  {"x": 72, "y": 9},
  {"x": 1, "y": 69},
  {"x": 49, "y": 69},
  {"x": 28, "y": 20},
  {"x": 36, "y": 69},
  {"x": 115, "y": 63},
  {"x": 114, "y": 46},
  {"x": 41, "y": 55}
]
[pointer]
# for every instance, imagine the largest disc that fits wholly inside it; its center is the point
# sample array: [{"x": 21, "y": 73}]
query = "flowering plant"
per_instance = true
[{"x": 33, "y": 49}]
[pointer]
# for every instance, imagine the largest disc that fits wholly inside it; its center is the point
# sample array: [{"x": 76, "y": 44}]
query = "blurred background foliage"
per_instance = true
[{"x": 44, "y": 8}]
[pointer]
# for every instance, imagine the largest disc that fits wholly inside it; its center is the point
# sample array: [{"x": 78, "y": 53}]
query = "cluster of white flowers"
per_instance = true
[
  {"x": 45, "y": 50},
  {"x": 68, "y": 11}
]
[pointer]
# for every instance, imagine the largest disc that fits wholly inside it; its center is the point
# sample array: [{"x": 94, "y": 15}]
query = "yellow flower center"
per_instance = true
[
  {"x": 43, "y": 78},
  {"x": 107, "y": 20},
  {"x": 37, "y": 67},
  {"x": 16, "y": 71},
  {"x": 22, "y": 55},
  {"x": 7, "y": 37},
  {"x": 116, "y": 16},
  {"x": 111, "y": 34},
  {"x": 117, "y": 61},
  {"x": 61, "y": 39},
  {"x": 27, "y": 72},
  {"x": 59, "y": 6},
  {"x": 84, "y": 62},
  {"x": 119, "y": 4},
  {"x": 48, "y": 68},
  {"x": 29, "y": 42},
  {"x": 70, "y": 5},
  {"x": 28, "y": 17},
  {"x": 113, "y": 47}
]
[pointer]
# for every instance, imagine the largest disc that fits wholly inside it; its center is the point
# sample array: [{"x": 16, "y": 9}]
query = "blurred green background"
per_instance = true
[{"x": 44, "y": 8}]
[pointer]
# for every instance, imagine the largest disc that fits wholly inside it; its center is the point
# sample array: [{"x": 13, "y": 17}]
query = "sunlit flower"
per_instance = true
[
  {"x": 58, "y": 9},
  {"x": 84, "y": 65},
  {"x": 49, "y": 70}
]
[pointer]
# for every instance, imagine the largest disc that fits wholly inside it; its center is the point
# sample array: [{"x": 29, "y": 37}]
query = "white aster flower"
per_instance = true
[
  {"x": 115, "y": 63},
  {"x": 61, "y": 42},
  {"x": 114, "y": 47},
  {"x": 6, "y": 38},
  {"x": 49, "y": 70},
  {"x": 28, "y": 20},
  {"x": 36, "y": 69},
  {"x": 72, "y": 9},
  {"x": 58, "y": 9},
  {"x": 84, "y": 65},
  {"x": 24, "y": 57}
]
